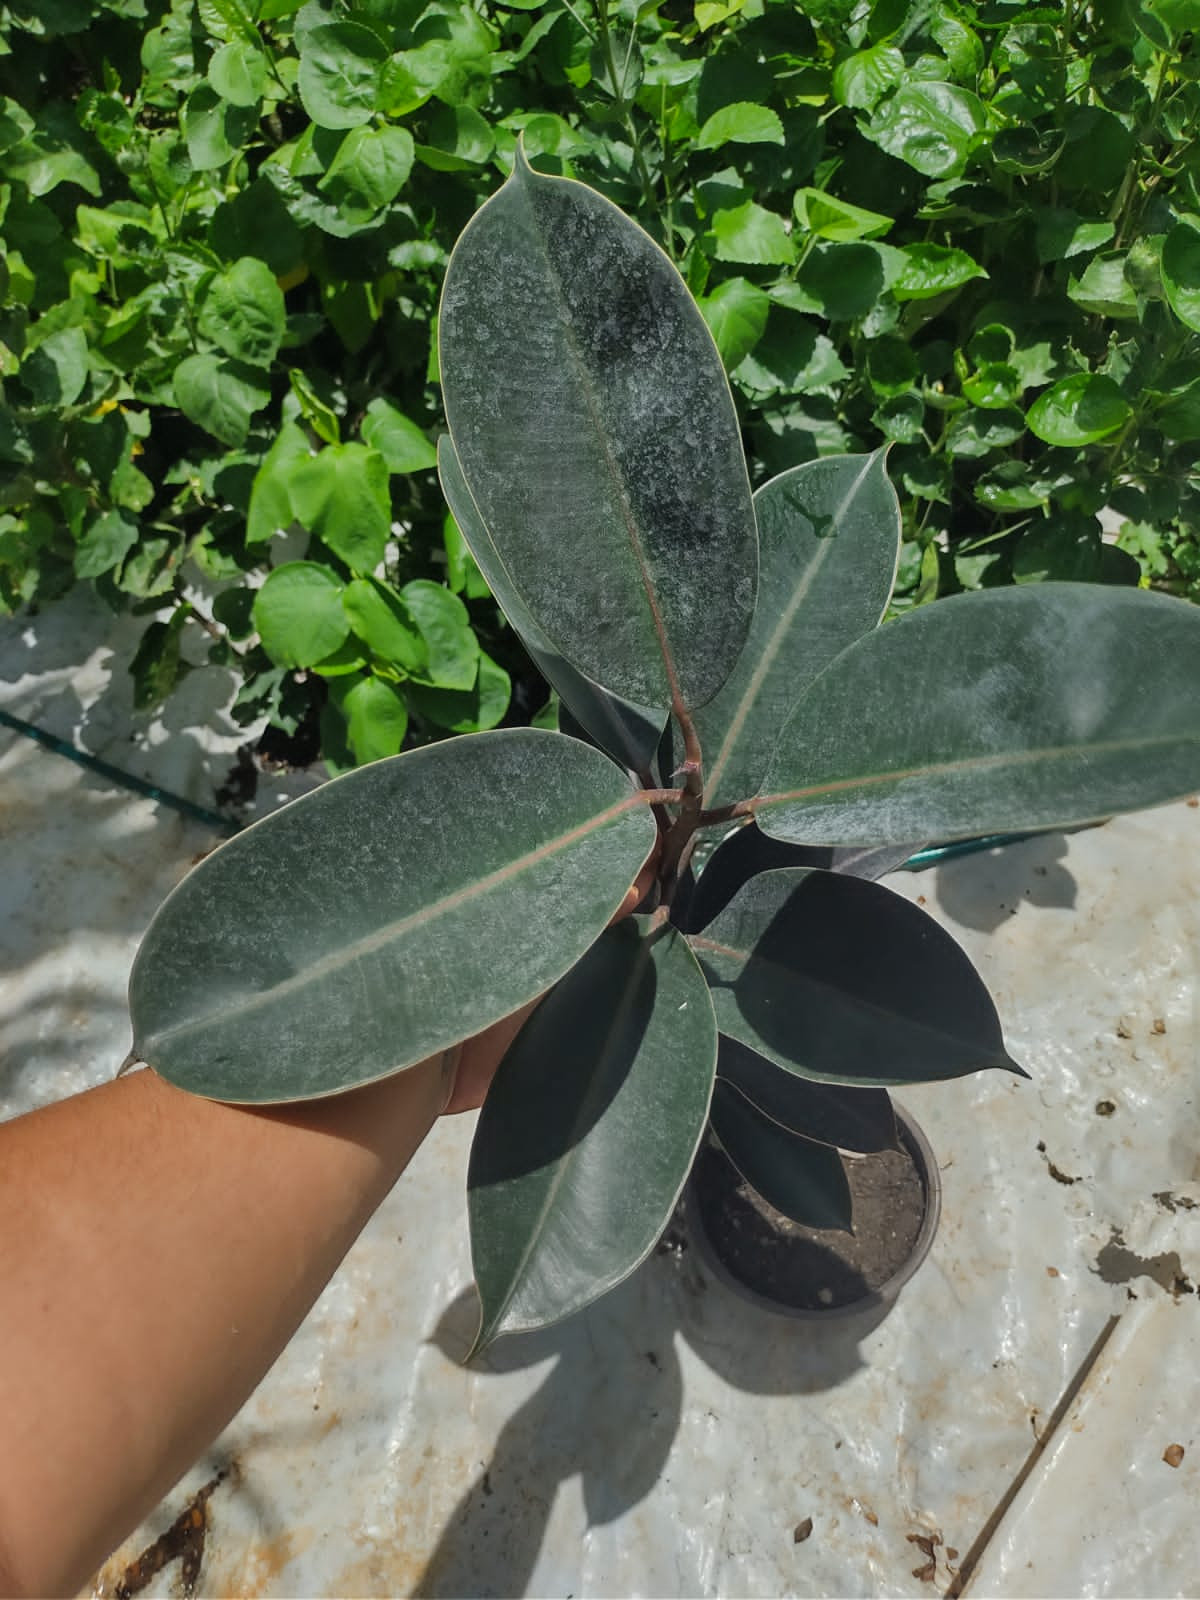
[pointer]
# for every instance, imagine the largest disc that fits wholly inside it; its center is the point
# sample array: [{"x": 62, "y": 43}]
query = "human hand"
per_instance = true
[{"x": 478, "y": 1058}]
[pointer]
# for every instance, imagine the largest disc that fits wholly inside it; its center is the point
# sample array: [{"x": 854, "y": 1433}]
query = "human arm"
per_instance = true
[{"x": 157, "y": 1252}]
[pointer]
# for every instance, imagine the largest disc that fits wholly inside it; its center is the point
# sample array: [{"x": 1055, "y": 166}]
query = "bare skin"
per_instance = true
[{"x": 157, "y": 1252}]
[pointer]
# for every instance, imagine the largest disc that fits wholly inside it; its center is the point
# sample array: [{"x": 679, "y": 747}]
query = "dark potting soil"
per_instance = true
[{"x": 813, "y": 1269}]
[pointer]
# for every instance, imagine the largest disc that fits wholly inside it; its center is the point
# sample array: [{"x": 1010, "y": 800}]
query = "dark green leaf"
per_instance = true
[
  {"x": 611, "y": 1075},
  {"x": 1055, "y": 704},
  {"x": 626, "y": 434},
  {"x": 855, "y": 1119},
  {"x": 1062, "y": 547},
  {"x": 829, "y": 533},
  {"x": 803, "y": 1180},
  {"x": 630, "y": 733},
  {"x": 298, "y": 614},
  {"x": 244, "y": 990},
  {"x": 841, "y": 981}
]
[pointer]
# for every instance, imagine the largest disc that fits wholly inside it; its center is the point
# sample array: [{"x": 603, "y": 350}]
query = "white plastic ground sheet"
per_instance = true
[{"x": 999, "y": 1431}]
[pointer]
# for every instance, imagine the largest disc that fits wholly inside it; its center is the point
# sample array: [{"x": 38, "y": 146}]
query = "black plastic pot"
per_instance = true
[{"x": 723, "y": 1263}]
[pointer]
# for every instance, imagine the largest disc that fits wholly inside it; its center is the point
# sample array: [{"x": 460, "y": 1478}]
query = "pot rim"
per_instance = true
[{"x": 880, "y": 1299}]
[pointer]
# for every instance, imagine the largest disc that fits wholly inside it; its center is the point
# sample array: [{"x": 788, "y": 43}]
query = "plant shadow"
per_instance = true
[
  {"x": 984, "y": 890},
  {"x": 611, "y": 1406}
]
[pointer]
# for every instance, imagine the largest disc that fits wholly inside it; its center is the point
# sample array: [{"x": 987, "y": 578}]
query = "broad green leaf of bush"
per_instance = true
[
  {"x": 270, "y": 509},
  {"x": 736, "y": 313},
  {"x": 1181, "y": 272},
  {"x": 740, "y": 123},
  {"x": 402, "y": 444},
  {"x": 861, "y": 80},
  {"x": 340, "y": 69},
  {"x": 471, "y": 710},
  {"x": 1104, "y": 289},
  {"x": 298, "y": 614},
  {"x": 242, "y": 311},
  {"x": 370, "y": 168},
  {"x": 445, "y": 626},
  {"x": 1063, "y": 233},
  {"x": 752, "y": 235},
  {"x": 382, "y": 620},
  {"x": 458, "y": 140},
  {"x": 376, "y": 718},
  {"x": 221, "y": 396},
  {"x": 214, "y": 128},
  {"x": 930, "y": 126},
  {"x": 831, "y": 218},
  {"x": 1078, "y": 410},
  {"x": 56, "y": 371},
  {"x": 341, "y": 496},
  {"x": 932, "y": 269},
  {"x": 108, "y": 540},
  {"x": 238, "y": 72}
]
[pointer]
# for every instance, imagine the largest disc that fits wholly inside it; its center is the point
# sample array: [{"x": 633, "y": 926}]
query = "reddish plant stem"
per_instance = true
[
  {"x": 676, "y": 843},
  {"x": 729, "y": 813}
]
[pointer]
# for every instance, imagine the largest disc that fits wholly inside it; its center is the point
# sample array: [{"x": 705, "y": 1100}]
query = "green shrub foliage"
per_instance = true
[{"x": 973, "y": 231}]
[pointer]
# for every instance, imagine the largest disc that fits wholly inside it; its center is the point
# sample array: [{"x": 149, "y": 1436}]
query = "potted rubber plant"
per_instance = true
[{"x": 723, "y": 677}]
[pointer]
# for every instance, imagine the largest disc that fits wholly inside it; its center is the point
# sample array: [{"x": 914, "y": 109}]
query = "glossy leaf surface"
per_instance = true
[
  {"x": 995, "y": 712},
  {"x": 842, "y": 981},
  {"x": 829, "y": 540},
  {"x": 803, "y": 1179},
  {"x": 589, "y": 1130},
  {"x": 629, "y": 732},
  {"x": 596, "y": 430},
  {"x": 387, "y": 915},
  {"x": 861, "y": 1120}
]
